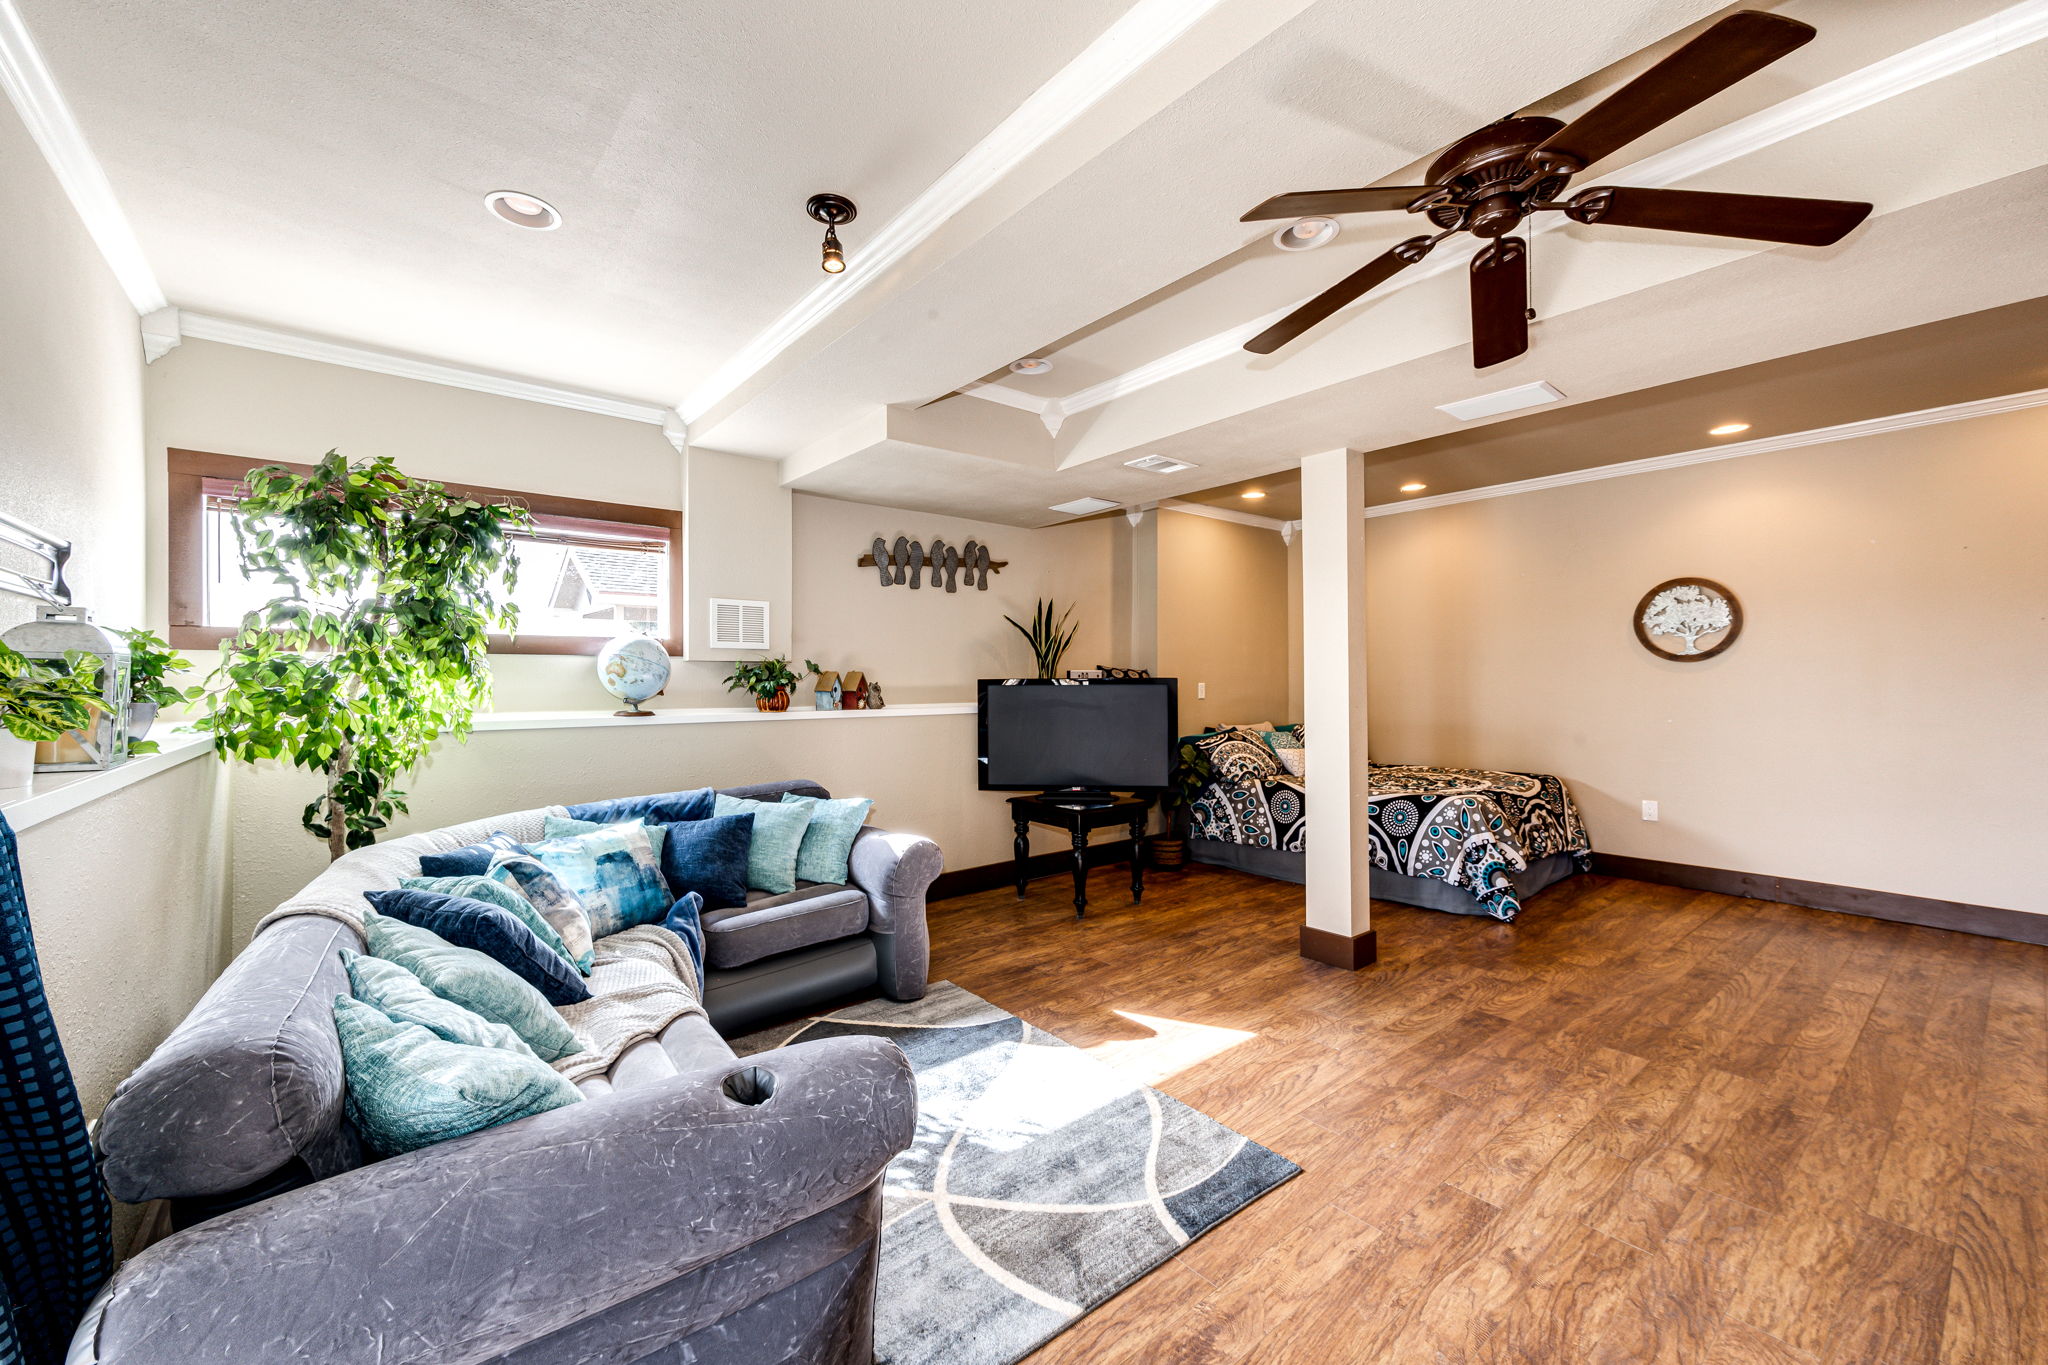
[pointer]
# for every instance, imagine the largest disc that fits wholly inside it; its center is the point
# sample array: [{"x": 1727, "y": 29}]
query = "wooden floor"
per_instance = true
[{"x": 1639, "y": 1125}]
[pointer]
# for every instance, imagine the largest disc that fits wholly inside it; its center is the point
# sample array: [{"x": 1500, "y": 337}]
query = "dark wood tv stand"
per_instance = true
[{"x": 1077, "y": 819}]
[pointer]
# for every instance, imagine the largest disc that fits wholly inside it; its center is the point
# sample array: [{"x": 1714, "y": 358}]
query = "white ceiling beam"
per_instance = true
[
  {"x": 33, "y": 92},
  {"x": 1203, "y": 509}
]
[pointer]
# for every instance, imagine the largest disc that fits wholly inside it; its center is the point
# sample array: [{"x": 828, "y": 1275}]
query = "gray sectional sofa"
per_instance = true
[{"x": 693, "y": 1209}]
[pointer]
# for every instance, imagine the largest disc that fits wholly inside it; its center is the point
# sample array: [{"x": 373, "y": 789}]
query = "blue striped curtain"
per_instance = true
[{"x": 56, "y": 1241}]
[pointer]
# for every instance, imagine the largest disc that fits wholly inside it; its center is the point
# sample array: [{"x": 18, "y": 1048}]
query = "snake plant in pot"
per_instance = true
[
  {"x": 41, "y": 699},
  {"x": 1050, "y": 634}
]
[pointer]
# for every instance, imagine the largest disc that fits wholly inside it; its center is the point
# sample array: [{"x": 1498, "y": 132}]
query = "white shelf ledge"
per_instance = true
[
  {"x": 55, "y": 793},
  {"x": 711, "y": 715}
]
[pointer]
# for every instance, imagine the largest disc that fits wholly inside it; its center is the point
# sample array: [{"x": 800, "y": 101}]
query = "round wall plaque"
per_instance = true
[{"x": 1688, "y": 619}]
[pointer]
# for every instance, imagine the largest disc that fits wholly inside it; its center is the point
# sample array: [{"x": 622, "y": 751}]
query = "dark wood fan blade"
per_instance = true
[
  {"x": 1740, "y": 45},
  {"x": 1761, "y": 217},
  {"x": 1372, "y": 274},
  {"x": 1500, "y": 302},
  {"x": 1306, "y": 202}
]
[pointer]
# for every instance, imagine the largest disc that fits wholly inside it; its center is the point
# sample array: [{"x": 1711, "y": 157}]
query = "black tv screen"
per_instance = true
[{"x": 1113, "y": 733}]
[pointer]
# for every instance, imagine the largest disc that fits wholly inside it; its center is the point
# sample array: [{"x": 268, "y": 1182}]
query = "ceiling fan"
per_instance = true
[{"x": 1492, "y": 179}]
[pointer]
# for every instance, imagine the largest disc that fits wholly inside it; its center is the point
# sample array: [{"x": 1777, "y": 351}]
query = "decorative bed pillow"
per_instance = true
[
  {"x": 709, "y": 857},
  {"x": 506, "y": 898},
  {"x": 554, "y": 902},
  {"x": 828, "y": 839},
  {"x": 471, "y": 860},
  {"x": 1287, "y": 747},
  {"x": 1238, "y": 756},
  {"x": 613, "y": 870},
  {"x": 663, "y": 808},
  {"x": 491, "y": 930},
  {"x": 778, "y": 835},
  {"x": 408, "y": 1088},
  {"x": 402, "y": 996},
  {"x": 474, "y": 981}
]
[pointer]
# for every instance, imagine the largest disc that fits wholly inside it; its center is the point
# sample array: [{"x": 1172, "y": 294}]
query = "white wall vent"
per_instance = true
[{"x": 738, "y": 624}]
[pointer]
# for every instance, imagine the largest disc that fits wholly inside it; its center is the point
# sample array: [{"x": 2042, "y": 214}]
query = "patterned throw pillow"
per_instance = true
[
  {"x": 613, "y": 871},
  {"x": 553, "y": 901},
  {"x": 505, "y": 898},
  {"x": 409, "y": 1088},
  {"x": 778, "y": 836},
  {"x": 828, "y": 839},
  {"x": 1287, "y": 747},
  {"x": 565, "y": 827},
  {"x": 402, "y": 996},
  {"x": 471, "y": 860},
  {"x": 474, "y": 981},
  {"x": 1238, "y": 756}
]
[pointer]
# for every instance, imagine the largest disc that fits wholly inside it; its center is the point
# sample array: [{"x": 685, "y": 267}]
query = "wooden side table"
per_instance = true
[{"x": 1077, "y": 820}]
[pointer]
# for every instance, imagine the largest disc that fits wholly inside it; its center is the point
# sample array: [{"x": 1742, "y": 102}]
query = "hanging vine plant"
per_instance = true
[{"x": 374, "y": 647}]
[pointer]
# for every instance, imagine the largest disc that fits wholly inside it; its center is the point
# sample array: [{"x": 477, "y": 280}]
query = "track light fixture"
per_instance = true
[{"x": 832, "y": 210}]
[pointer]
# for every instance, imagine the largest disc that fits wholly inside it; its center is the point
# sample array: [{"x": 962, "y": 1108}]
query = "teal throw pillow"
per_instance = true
[
  {"x": 508, "y": 898},
  {"x": 828, "y": 840},
  {"x": 476, "y": 981},
  {"x": 410, "y": 1088},
  {"x": 613, "y": 870},
  {"x": 778, "y": 836},
  {"x": 556, "y": 904},
  {"x": 563, "y": 827},
  {"x": 402, "y": 996}
]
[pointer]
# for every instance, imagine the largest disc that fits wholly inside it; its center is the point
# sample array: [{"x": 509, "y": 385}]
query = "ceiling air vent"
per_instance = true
[
  {"x": 738, "y": 624},
  {"x": 1081, "y": 507},
  {"x": 1158, "y": 464},
  {"x": 1502, "y": 400}
]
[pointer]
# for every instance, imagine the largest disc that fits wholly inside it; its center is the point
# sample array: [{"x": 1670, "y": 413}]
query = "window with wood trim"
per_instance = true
[{"x": 588, "y": 570}]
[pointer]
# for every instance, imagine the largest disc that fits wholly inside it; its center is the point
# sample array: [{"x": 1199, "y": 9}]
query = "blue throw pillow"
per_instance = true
[
  {"x": 493, "y": 931},
  {"x": 709, "y": 857},
  {"x": 686, "y": 921},
  {"x": 471, "y": 860},
  {"x": 663, "y": 808},
  {"x": 613, "y": 870}
]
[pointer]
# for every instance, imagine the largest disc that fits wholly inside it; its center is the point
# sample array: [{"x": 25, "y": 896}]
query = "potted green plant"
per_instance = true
[
  {"x": 1049, "y": 634},
  {"x": 1191, "y": 773},
  {"x": 40, "y": 699},
  {"x": 770, "y": 681},
  {"x": 374, "y": 647},
  {"x": 151, "y": 660}
]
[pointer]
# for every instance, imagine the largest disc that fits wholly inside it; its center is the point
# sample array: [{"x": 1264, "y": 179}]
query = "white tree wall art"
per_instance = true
[{"x": 1674, "y": 617}]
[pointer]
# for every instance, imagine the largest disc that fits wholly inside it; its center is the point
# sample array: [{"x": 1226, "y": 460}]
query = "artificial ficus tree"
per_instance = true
[{"x": 374, "y": 647}]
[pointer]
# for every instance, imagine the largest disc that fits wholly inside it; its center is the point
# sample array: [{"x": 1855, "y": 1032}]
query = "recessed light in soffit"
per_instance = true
[
  {"x": 1502, "y": 400},
  {"x": 1307, "y": 234},
  {"x": 1159, "y": 464},
  {"x": 1031, "y": 364},
  {"x": 523, "y": 210},
  {"x": 1081, "y": 507},
  {"x": 1728, "y": 429}
]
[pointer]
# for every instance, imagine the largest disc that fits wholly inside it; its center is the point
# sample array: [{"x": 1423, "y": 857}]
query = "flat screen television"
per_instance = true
[{"x": 1078, "y": 738}]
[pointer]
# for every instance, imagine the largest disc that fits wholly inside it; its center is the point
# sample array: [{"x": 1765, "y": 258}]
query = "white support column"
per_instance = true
[{"x": 1339, "y": 863}]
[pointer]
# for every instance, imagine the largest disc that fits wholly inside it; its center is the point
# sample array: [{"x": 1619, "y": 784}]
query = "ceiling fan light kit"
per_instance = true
[
  {"x": 832, "y": 210},
  {"x": 1490, "y": 181}
]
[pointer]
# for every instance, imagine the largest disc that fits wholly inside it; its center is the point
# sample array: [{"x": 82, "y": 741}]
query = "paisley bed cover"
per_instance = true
[{"x": 1467, "y": 827}]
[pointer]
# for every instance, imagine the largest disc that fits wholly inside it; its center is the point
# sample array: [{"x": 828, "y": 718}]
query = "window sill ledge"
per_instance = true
[
  {"x": 56, "y": 793},
  {"x": 709, "y": 715}
]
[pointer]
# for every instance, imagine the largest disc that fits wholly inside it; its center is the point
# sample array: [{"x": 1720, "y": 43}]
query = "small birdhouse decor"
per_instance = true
[
  {"x": 1688, "y": 619},
  {"x": 853, "y": 690},
  {"x": 828, "y": 691},
  {"x": 55, "y": 632}
]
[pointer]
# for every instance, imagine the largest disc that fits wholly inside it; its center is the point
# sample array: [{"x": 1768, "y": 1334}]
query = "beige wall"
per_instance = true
[
  {"x": 1881, "y": 722},
  {"x": 1223, "y": 620}
]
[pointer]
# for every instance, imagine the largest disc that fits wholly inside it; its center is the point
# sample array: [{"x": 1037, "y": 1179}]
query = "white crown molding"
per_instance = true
[
  {"x": 2006, "y": 31},
  {"x": 1201, "y": 509},
  {"x": 205, "y": 327},
  {"x": 33, "y": 92},
  {"x": 1142, "y": 33},
  {"x": 162, "y": 331},
  {"x": 1847, "y": 431}
]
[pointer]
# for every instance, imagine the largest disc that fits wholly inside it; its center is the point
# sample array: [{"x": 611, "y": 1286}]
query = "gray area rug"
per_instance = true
[{"x": 1040, "y": 1183}]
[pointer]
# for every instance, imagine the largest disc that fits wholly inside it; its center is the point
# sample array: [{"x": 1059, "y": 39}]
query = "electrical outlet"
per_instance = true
[
  {"x": 1649, "y": 810},
  {"x": 1201, "y": 691}
]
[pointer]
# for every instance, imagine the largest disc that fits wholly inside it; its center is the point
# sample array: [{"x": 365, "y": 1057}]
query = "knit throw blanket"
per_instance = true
[{"x": 641, "y": 981}]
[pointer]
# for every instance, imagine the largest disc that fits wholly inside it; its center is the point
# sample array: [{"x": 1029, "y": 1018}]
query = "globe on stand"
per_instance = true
[{"x": 633, "y": 668}]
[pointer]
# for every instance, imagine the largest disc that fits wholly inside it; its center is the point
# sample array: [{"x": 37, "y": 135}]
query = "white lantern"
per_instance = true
[{"x": 55, "y": 632}]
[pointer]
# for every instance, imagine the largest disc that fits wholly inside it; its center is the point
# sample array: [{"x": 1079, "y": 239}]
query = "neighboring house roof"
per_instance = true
[{"x": 588, "y": 574}]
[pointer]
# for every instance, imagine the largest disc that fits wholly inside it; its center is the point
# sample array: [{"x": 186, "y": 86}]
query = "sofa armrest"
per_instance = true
[
  {"x": 895, "y": 870},
  {"x": 468, "y": 1249}
]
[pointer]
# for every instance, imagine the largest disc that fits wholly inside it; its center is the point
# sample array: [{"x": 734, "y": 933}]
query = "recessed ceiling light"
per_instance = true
[
  {"x": 1031, "y": 364},
  {"x": 1081, "y": 507},
  {"x": 1252, "y": 493},
  {"x": 1727, "y": 428},
  {"x": 1413, "y": 487},
  {"x": 523, "y": 210},
  {"x": 1306, "y": 234},
  {"x": 1159, "y": 464}
]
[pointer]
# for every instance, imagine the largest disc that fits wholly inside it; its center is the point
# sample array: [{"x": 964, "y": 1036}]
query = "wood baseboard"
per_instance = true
[
  {"x": 1347, "y": 951},
  {"x": 967, "y": 881},
  {"x": 1988, "y": 920}
]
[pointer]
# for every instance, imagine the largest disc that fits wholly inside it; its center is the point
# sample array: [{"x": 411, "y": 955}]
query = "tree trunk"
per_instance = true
[{"x": 337, "y": 819}]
